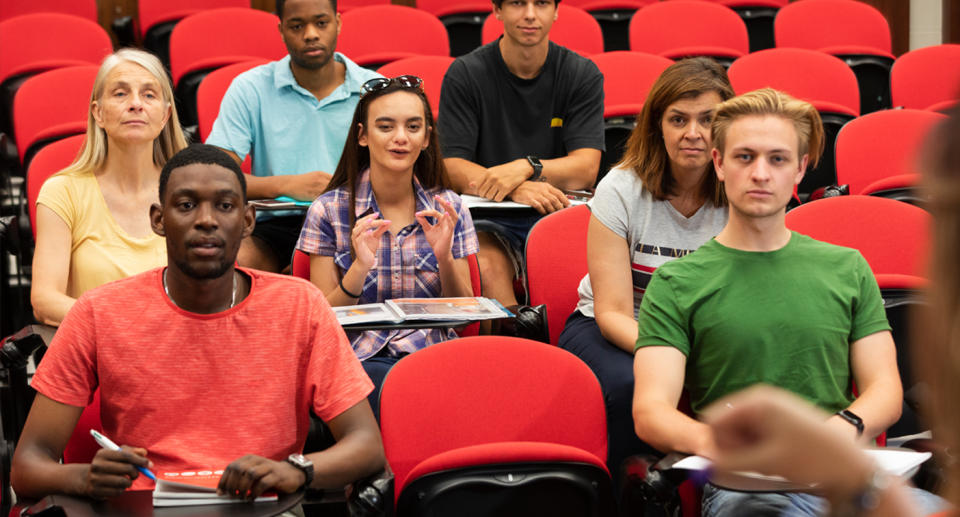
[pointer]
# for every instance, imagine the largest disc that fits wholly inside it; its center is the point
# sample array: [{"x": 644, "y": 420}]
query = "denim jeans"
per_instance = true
[{"x": 728, "y": 503}]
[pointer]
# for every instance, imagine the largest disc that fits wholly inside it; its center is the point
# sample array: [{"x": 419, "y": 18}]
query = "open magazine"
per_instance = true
[
  {"x": 422, "y": 309},
  {"x": 194, "y": 488}
]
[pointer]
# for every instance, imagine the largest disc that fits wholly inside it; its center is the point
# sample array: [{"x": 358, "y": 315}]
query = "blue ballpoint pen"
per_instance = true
[{"x": 106, "y": 443}]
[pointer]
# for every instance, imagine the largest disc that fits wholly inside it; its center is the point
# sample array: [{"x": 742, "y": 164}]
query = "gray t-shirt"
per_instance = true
[{"x": 656, "y": 233}]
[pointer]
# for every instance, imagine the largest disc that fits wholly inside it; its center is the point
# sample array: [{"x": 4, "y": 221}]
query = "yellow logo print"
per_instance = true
[{"x": 556, "y": 122}]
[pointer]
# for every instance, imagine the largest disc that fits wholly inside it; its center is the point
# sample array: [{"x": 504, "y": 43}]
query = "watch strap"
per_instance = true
[
  {"x": 853, "y": 419},
  {"x": 306, "y": 466}
]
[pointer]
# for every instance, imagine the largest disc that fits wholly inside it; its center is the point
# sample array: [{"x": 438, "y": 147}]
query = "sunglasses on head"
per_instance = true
[{"x": 381, "y": 83}]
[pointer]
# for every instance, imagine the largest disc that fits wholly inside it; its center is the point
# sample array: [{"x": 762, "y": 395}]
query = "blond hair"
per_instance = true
[
  {"x": 645, "y": 152},
  {"x": 767, "y": 101},
  {"x": 93, "y": 153}
]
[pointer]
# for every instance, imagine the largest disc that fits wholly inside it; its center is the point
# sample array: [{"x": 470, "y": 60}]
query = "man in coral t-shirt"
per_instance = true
[{"x": 200, "y": 363}]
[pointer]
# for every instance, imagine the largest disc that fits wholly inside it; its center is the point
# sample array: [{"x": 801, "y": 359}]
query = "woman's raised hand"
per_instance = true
[
  {"x": 440, "y": 234},
  {"x": 365, "y": 238}
]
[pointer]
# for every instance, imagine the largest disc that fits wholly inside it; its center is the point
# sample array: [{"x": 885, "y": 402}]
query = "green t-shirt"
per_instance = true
[{"x": 784, "y": 317}]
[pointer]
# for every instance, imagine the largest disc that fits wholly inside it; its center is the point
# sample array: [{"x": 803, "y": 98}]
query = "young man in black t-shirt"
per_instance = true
[{"x": 522, "y": 120}]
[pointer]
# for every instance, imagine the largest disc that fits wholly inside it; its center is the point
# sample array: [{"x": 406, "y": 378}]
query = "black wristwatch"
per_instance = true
[
  {"x": 537, "y": 167},
  {"x": 301, "y": 462},
  {"x": 854, "y": 420}
]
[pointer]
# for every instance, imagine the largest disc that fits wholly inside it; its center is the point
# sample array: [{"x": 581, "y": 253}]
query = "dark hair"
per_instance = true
[
  {"x": 201, "y": 153},
  {"x": 499, "y": 3},
  {"x": 280, "y": 4},
  {"x": 428, "y": 169},
  {"x": 645, "y": 152}
]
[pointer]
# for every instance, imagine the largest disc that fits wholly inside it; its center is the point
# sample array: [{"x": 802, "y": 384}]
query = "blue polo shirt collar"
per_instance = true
[{"x": 283, "y": 78}]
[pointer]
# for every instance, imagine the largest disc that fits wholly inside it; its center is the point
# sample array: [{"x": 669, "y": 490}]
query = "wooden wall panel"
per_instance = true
[{"x": 951, "y": 21}]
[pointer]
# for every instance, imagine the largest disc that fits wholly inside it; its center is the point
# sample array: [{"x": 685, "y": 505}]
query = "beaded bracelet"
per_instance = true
[{"x": 348, "y": 293}]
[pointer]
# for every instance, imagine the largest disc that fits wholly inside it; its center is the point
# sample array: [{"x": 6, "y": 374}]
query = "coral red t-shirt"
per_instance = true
[{"x": 201, "y": 390}]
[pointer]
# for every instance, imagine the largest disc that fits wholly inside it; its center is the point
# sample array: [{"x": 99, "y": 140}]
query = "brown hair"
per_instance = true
[
  {"x": 645, "y": 152},
  {"x": 428, "y": 169},
  {"x": 936, "y": 328},
  {"x": 767, "y": 101}
]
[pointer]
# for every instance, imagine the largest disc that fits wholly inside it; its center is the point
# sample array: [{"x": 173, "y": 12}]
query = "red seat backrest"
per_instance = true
[
  {"x": 926, "y": 77},
  {"x": 45, "y": 163},
  {"x": 627, "y": 78},
  {"x": 52, "y": 104},
  {"x": 485, "y": 390},
  {"x": 833, "y": 26},
  {"x": 153, "y": 12},
  {"x": 211, "y": 90},
  {"x": 575, "y": 29},
  {"x": 892, "y": 236},
  {"x": 382, "y": 33},
  {"x": 64, "y": 40},
  {"x": 220, "y": 37},
  {"x": 882, "y": 144},
  {"x": 429, "y": 68},
  {"x": 820, "y": 79},
  {"x": 697, "y": 28},
  {"x": 441, "y": 8},
  {"x": 86, "y": 9},
  {"x": 556, "y": 262}
]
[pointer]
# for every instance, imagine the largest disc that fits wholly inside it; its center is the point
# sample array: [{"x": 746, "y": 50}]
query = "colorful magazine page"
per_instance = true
[
  {"x": 466, "y": 308},
  {"x": 191, "y": 488},
  {"x": 368, "y": 313}
]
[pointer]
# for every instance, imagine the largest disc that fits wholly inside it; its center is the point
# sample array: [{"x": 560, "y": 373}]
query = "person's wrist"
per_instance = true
[{"x": 859, "y": 491}]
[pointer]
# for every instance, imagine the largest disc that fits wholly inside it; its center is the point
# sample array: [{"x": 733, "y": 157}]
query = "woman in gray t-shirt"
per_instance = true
[{"x": 660, "y": 202}]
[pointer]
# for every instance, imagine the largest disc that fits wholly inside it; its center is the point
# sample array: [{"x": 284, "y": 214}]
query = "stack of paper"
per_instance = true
[{"x": 194, "y": 488}]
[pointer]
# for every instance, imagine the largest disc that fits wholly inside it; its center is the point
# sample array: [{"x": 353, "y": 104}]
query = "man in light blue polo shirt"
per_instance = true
[{"x": 292, "y": 116}]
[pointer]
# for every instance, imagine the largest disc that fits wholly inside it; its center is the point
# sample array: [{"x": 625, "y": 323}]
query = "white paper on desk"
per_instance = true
[
  {"x": 895, "y": 461},
  {"x": 482, "y": 202}
]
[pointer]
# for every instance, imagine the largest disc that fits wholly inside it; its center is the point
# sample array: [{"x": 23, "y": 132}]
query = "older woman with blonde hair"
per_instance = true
[{"x": 92, "y": 217}]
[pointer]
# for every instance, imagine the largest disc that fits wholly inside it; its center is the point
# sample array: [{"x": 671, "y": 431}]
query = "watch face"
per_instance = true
[{"x": 300, "y": 460}]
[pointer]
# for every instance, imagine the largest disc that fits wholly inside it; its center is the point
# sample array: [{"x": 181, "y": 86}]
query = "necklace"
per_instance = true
[{"x": 233, "y": 297}]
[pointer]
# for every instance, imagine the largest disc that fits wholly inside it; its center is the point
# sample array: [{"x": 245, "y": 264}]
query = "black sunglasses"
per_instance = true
[{"x": 381, "y": 83}]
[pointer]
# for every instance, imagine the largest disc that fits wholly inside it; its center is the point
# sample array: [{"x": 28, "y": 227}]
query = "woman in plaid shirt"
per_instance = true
[{"x": 388, "y": 226}]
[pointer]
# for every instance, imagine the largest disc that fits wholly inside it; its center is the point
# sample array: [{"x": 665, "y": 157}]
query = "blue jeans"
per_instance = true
[{"x": 723, "y": 503}]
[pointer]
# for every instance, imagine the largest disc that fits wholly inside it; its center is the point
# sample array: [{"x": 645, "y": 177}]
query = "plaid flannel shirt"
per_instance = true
[{"x": 406, "y": 266}]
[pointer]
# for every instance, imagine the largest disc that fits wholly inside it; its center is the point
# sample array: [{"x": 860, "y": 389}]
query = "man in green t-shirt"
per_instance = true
[{"x": 762, "y": 304}]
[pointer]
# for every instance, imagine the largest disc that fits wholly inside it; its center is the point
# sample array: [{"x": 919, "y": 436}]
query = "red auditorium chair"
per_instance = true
[
  {"x": 346, "y": 5},
  {"x": 758, "y": 15},
  {"x": 211, "y": 90},
  {"x": 64, "y": 40},
  {"x": 927, "y": 78},
  {"x": 574, "y": 29},
  {"x": 215, "y": 38},
  {"x": 820, "y": 79},
  {"x": 46, "y": 163},
  {"x": 556, "y": 254},
  {"x": 627, "y": 77},
  {"x": 614, "y": 19},
  {"x": 463, "y": 20},
  {"x": 495, "y": 425},
  {"x": 891, "y": 235},
  {"x": 851, "y": 30},
  {"x": 375, "y": 35},
  {"x": 52, "y": 105},
  {"x": 83, "y": 8},
  {"x": 696, "y": 28},
  {"x": 157, "y": 19},
  {"x": 210, "y": 94},
  {"x": 429, "y": 68},
  {"x": 878, "y": 153}
]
